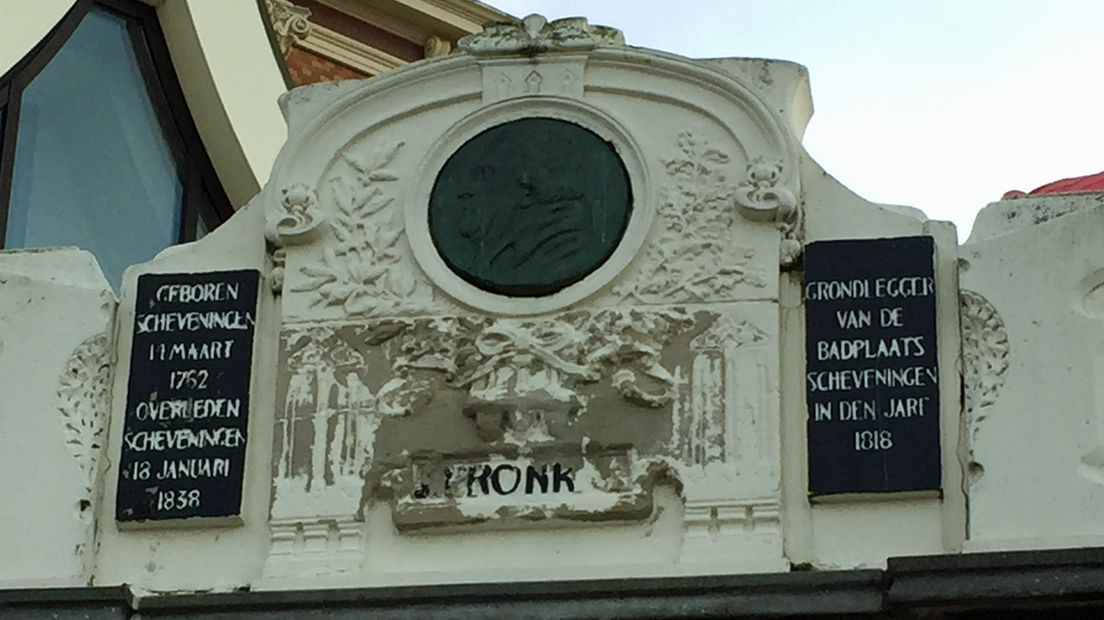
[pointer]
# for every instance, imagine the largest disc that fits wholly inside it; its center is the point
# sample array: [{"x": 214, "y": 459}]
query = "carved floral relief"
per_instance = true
[
  {"x": 361, "y": 270},
  {"x": 84, "y": 401},
  {"x": 984, "y": 351},
  {"x": 694, "y": 259},
  {"x": 514, "y": 375},
  {"x": 516, "y": 388}
]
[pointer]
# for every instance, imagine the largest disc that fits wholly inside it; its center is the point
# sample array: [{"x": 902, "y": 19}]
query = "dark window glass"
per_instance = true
[{"x": 100, "y": 161}]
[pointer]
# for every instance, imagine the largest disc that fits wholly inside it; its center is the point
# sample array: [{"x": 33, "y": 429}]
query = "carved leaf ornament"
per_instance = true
[
  {"x": 360, "y": 272},
  {"x": 84, "y": 398},
  {"x": 985, "y": 351},
  {"x": 693, "y": 260}
]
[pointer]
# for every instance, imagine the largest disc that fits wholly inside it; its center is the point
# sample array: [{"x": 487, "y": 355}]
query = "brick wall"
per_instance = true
[{"x": 306, "y": 67}]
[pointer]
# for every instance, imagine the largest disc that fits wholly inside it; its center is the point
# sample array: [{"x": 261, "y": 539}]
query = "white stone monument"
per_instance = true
[{"x": 537, "y": 310}]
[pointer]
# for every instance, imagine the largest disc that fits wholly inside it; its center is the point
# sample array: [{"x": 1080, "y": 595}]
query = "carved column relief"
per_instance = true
[
  {"x": 706, "y": 416},
  {"x": 722, "y": 431},
  {"x": 324, "y": 442}
]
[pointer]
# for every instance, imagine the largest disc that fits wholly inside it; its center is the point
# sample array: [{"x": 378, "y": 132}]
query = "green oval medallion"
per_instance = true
[{"x": 529, "y": 207}]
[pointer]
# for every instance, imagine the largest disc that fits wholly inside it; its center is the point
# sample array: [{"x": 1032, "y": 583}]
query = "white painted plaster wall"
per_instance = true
[
  {"x": 864, "y": 532},
  {"x": 197, "y": 558},
  {"x": 1036, "y": 436},
  {"x": 51, "y": 301}
]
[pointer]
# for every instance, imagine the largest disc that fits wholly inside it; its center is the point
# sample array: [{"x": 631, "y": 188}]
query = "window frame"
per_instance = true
[{"x": 203, "y": 194}]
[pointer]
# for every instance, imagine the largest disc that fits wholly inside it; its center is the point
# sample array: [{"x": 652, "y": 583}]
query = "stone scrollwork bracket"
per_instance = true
[
  {"x": 289, "y": 23},
  {"x": 534, "y": 34},
  {"x": 762, "y": 197},
  {"x": 295, "y": 221}
]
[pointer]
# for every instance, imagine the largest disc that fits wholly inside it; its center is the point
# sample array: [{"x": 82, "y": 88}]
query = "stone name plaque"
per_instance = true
[
  {"x": 504, "y": 492},
  {"x": 871, "y": 366},
  {"x": 184, "y": 434}
]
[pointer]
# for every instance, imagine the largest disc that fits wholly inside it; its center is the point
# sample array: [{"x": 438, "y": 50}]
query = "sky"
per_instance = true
[{"x": 942, "y": 105}]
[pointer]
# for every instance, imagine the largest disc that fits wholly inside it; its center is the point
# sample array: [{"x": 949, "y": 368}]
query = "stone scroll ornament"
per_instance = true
[
  {"x": 289, "y": 23},
  {"x": 761, "y": 196},
  {"x": 297, "y": 220},
  {"x": 693, "y": 260}
]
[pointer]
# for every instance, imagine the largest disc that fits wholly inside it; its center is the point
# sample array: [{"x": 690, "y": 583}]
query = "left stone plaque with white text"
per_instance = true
[{"x": 187, "y": 409}]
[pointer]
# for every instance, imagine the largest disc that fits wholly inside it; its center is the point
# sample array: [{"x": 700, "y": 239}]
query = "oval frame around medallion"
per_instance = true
[{"x": 416, "y": 209}]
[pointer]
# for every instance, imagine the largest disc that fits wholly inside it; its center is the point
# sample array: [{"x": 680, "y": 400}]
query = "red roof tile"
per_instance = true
[{"x": 1074, "y": 185}]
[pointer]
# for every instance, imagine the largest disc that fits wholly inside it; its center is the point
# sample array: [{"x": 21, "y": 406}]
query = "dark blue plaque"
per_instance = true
[
  {"x": 187, "y": 410},
  {"x": 872, "y": 375}
]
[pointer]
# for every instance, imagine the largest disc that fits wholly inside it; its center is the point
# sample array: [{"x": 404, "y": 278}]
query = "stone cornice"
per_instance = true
[{"x": 349, "y": 51}]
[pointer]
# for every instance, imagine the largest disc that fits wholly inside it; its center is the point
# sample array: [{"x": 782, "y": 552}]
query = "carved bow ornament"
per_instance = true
[{"x": 535, "y": 34}]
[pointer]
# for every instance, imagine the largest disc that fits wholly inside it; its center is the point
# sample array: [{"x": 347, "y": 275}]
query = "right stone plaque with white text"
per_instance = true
[{"x": 872, "y": 376}]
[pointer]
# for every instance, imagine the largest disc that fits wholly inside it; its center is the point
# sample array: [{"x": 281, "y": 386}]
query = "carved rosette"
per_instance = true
[
  {"x": 535, "y": 34},
  {"x": 693, "y": 259},
  {"x": 985, "y": 352},
  {"x": 84, "y": 402}
]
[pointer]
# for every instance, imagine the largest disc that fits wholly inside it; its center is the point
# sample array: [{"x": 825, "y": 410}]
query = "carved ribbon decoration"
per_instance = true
[{"x": 504, "y": 342}]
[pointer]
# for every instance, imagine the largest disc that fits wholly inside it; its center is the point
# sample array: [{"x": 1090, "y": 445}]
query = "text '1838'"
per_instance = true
[{"x": 184, "y": 436}]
